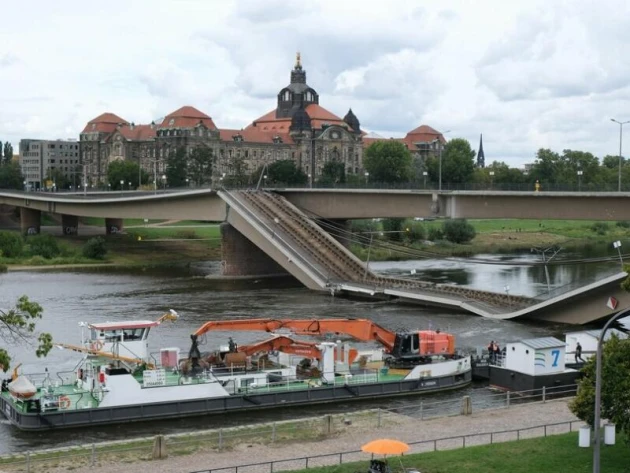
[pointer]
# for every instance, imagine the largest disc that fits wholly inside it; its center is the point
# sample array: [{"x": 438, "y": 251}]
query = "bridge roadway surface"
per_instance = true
[
  {"x": 406, "y": 429},
  {"x": 285, "y": 232}
]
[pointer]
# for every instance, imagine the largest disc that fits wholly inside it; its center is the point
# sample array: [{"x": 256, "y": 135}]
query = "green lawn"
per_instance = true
[
  {"x": 97, "y": 221},
  {"x": 156, "y": 233},
  {"x": 554, "y": 454}
]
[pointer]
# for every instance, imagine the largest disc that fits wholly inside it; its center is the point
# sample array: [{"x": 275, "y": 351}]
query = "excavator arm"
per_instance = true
[
  {"x": 288, "y": 345},
  {"x": 359, "y": 329}
]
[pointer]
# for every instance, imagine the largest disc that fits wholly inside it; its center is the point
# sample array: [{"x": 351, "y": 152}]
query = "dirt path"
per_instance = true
[{"x": 404, "y": 428}]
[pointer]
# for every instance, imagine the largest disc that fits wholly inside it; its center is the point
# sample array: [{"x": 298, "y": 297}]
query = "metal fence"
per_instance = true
[
  {"x": 422, "y": 446},
  {"x": 297, "y": 430}
]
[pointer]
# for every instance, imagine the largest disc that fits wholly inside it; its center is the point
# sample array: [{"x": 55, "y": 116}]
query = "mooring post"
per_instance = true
[
  {"x": 93, "y": 460},
  {"x": 544, "y": 393},
  {"x": 220, "y": 439},
  {"x": 273, "y": 432},
  {"x": 379, "y": 418},
  {"x": 507, "y": 399},
  {"x": 28, "y": 462}
]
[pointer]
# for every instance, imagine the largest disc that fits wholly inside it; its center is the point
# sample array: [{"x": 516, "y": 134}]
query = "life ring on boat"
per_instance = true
[
  {"x": 96, "y": 346},
  {"x": 64, "y": 402}
]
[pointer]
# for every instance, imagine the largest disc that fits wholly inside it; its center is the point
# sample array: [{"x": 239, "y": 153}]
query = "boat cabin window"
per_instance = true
[
  {"x": 118, "y": 335},
  {"x": 134, "y": 333}
]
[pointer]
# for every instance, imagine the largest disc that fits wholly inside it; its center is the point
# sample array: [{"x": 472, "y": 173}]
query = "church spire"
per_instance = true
[{"x": 481, "y": 157}]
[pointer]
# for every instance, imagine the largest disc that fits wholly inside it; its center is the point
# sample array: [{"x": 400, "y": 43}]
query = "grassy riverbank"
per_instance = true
[
  {"x": 502, "y": 236},
  {"x": 160, "y": 242}
]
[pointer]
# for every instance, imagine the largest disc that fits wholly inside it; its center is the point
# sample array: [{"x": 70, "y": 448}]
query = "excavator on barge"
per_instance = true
[{"x": 402, "y": 349}]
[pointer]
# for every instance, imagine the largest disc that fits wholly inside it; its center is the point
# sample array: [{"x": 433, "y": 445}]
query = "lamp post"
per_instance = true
[
  {"x": 439, "y": 143},
  {"x": 617, "y": 244},
  {"x": 164, "y": 181},
  {"x": 24, "y": 186},
  {"x": 424, "y": 174},
  {"x": 621, "y": 124},
  {"x": 187, "y": 182},
  {"x": 367, "y": 176},
  {"x": 598, "y": 387},
  {"x": 491, "y": 178},
  {"x": 109, "y": 187},
  {"x": 579, "y": 174},
  {"x": 122, "y": 186},
  {"x": 310, "y": 181}
]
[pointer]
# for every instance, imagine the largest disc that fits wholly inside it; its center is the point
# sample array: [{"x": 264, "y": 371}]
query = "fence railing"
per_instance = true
[
  {"x": 297, "y": 430},
  {"x": 421, "y": 446}
]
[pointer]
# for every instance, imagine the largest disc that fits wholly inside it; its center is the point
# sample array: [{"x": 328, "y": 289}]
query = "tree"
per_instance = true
[
  {"x": 238, "y": 176},
  {"x": 200, "y": 165},
  {"x": 176, "y": 168},
  {"x": 615, "y": 386},
  {"x": 125, "y": 171},
  {"x": 333, "y": 172},
  {"x": 8, "y": 153},
  {"x": 60, "y": 180},
  {"x": 458, "y": 231},
  {"x": 285, "y": 172},
  {"x": 18, "y": 325},
  {"x": 11, "y": 176},
  {"x": 458, "y": 162},
  {"x": 388, "y": 161}
]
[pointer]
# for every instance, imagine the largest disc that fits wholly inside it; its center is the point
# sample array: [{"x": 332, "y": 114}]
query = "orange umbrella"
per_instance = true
[{"x": 385, "y": 447}]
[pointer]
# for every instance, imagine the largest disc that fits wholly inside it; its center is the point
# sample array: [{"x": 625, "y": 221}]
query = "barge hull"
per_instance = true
[{"x": 222, "y": 405}]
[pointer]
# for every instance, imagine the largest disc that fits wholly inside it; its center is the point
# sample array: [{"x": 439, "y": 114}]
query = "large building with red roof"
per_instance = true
[{"x": 298, "y": 128}]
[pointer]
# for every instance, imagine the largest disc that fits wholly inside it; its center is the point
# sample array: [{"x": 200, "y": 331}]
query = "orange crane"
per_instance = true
[
  {"x": 406, "y": 347},
  {"x": 288, "y": 345}
]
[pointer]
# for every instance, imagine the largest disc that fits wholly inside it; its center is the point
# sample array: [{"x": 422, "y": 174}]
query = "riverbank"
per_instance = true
[
  {"x": 351, "y": 438},
  {"x": 163, "y": 243}
]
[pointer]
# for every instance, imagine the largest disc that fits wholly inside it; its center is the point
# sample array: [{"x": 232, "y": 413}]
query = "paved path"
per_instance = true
[{"x": 406, "y": 429}]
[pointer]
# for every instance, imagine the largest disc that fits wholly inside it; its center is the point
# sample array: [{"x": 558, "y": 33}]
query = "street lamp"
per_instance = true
[
  {"x": 164, "y": 181},
  {"x": 24, "y": 186},
  {"x": 310, "y": 182},
  {"x": 187, "y": 182},
  {"x": 424, "y": 174},
  {"x": 617, "y": 244},
  {"x": 621, "y": 124},
  {"x": 439, "y": 143},
  {"x": 122, "y": 186},
  {"x": 598, "y": 387},
  {"x": 367, "y": 176},
  {"x": 264, "y": 180},
  {"x": 579, "y": 173},
  {"x": 491, "y": 178},
  {"x": 109, "y": 186}
]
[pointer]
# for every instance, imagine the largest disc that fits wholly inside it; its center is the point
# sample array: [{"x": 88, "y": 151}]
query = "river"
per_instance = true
[{"x": 70, "y": 297}]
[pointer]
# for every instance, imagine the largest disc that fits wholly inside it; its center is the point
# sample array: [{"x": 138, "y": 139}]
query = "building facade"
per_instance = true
[
  {"x": 43, "y": 161},
  {"x": 298, "y": 128}
]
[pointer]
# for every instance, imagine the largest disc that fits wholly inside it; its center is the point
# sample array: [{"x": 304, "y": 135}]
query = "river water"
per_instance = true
[{"x": 70, "y": 297}]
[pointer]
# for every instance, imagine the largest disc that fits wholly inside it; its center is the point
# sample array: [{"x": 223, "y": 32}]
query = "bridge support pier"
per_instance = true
[
  {"x": 30, "y": 221},
  {"x": 240, "y": 257},
  {"x": 70, "y": 224},
  {"x": 113, "y": 226}
]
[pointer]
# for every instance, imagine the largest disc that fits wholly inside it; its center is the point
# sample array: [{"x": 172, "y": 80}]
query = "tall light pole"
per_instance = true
[
  {"x": 598, "y": 388},
  {"x": 439, "y": 143},
  {"x": 579, "y": 173},
  {"x": 621, "y": 124}
]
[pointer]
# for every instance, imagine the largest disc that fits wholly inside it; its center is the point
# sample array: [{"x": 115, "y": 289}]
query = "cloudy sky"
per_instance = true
[{"x": 526, "y": 74}]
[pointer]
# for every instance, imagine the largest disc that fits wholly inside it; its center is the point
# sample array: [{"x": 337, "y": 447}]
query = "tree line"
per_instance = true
[{"x": 390, "y": 162}]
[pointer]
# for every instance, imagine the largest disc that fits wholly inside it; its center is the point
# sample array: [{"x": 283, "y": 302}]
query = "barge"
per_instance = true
[{"x": 118, "y": 380}]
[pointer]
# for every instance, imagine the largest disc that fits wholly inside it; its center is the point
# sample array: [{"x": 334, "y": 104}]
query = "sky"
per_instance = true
[{"x": 527, "y": 74}]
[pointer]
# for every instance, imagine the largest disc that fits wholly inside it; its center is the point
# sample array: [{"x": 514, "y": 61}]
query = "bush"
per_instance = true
[
  {"x": 600, "y": 228},
  {"x": 186, "y": 235},
  {"x": 43, "y": 245},
  {"x": 435, "y": 234},
  {"x": 392, "y": 227},
  {"x": 623, "y": 224},
  {"x": 362, "y": 230},
  {"x": 11, "y": 244},
  {"x": 3, "y": 268},
  {"x": 416, "y": 231},
  {"x": 95, "y": 248},
  {"x": 458, "y": 231}
]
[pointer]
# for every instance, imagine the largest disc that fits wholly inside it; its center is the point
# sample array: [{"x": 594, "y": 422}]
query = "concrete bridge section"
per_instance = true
[{"x": 270, "y": 232}]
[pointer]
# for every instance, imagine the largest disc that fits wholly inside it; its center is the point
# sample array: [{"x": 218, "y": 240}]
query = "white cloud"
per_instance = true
[{"x": 526, "y": 75}]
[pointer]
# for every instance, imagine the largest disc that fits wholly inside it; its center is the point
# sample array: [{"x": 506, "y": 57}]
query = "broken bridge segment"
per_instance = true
[{"x": 314, "y": 257}]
